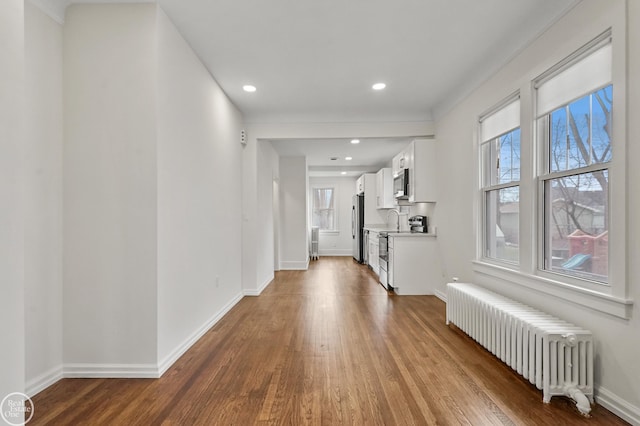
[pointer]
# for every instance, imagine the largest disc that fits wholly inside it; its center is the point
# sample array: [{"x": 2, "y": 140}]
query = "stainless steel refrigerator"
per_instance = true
[{"x": 357, "y": 223}]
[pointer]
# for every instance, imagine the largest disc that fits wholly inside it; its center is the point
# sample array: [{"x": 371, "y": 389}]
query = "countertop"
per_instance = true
[
  {"x": 394, "y": 234},
  {"x": 397, "y": 234}
]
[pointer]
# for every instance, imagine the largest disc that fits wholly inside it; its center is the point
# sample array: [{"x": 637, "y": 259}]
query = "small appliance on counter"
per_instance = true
[{"x": 418, "y": 224}]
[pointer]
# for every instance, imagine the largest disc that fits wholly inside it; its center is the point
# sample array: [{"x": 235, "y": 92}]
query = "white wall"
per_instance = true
[
  {"x": 255, "y": 226},
  {"x": 617, "y": 344},
  {"x": 43, "y": 199},
  {"x": 199, "y": 202},
  {"x": 251, "y": 218},
  {"x": 110, "y": 250},
  {"x": 336, "y": 243},
  {"x": 11, "y": 212},
  {"x": 267, "y": 172},
  {"x": 294, "y": 232}
]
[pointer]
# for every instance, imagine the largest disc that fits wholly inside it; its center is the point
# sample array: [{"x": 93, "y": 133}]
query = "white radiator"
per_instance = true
[
  {"x": 551, "y": 353},
  {"x": 315, "y": 232}
]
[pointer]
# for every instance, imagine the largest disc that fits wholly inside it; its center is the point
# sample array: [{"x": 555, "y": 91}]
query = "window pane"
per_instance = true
[
  {"x": 323, "y": 210},
  {"x": 558, "y": 150},
  {"x": 501, "y": 159},
  {"x": 580, "y": 132},
  {"x": 602, "y": 101},
  {"x": 578, "y": 122},
  {"x": 510, "y": 157},
  {"x": 490, "y": 162},
  {"x": 576, "y": 225},
  {"x": 324, "y": 219},
  {"x": 502, "y": 223}
]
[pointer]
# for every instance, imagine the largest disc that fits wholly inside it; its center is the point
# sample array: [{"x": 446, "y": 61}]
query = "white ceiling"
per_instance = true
[
  {"x": 369, "y": 155},
  {"x": 315, "y": 61}
]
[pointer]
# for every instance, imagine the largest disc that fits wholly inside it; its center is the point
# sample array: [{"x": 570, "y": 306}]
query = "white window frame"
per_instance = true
[
  {"x": 336, "y": 224},
  {"x": 544, "y": 174},
  {"x": 498, "y": 121},
  {"x": 612, "y": 299}
]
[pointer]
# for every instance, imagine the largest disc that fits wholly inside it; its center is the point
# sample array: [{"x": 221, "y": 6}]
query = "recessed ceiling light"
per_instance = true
[
  {"x": 343, "y": 173},
  {"x": 249, "y": 88},
  {"x": 333, "y": 158},
  {"x": 378, "y": 86},
  {"x": 355, "y": 141},
  {"x": 348, "y": 158}
]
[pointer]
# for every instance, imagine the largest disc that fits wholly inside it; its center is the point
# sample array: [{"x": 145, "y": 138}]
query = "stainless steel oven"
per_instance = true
[{"x": 383, "y": 257}]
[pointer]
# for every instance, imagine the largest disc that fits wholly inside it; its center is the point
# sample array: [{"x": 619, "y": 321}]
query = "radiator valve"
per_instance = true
[{"x": 570, "y": 339}]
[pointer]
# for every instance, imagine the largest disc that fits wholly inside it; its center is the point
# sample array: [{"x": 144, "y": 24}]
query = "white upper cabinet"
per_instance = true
[
  {"x": 360, "y": 185},
  {"x": 400, "y": 162},
  {"x": 366, "y": 184},
  {"x": 384, "y": 189}
]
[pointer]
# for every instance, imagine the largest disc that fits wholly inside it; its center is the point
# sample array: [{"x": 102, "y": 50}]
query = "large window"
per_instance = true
[
  {"x": 574, "y": 110},
  {"x": 323, "y": 209},
  {"x": 500, "y": 156}
]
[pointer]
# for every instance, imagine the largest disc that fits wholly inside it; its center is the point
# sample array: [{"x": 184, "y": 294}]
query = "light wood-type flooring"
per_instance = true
[{"x": 327, "y": 346}]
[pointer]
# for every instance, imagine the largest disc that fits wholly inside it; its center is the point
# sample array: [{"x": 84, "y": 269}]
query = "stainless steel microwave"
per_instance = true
[{"x": 401, "y": 185}]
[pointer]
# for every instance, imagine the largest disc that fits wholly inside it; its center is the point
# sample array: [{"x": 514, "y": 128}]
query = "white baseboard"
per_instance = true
[
  {"x": 168, "y": 361},
  {"x": 131, "y": 371},
  {"x": 441, "y": 295},
  {"x": 618, "y": 406},
  {"x": 294, "y": 265},
  {"x": 335, "y": 252},
  {"x": 260, "y": 289},
  {"x": 43, "y": 381},
  {"x": 111, "y": 371}
]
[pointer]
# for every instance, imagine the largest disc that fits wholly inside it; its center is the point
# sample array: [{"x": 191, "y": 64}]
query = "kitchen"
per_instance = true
[
  {"x": 341, "y": 169},
  {"x": 402, "y": 248}
]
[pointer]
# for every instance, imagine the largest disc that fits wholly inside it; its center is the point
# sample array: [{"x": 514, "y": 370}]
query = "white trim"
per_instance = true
[
  {"x": 441, "y": 295},
  {"x": 294, "y": 265},
  {"x": 618, "y": 406},
  {"x": 168, "y": 361},
  {"x": 111, "y": 371},
  {"x": 43, "y": 381},
  {"x": 611, "y": 305},
  {"x": 260, "y": 288},
  {"x": 336, "y": 252}
]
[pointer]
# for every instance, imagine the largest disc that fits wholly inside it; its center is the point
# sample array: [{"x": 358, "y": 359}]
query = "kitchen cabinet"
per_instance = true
[
  {"x": 413, "y": 267},
  {"x": 390, "y": 267},
  {"x": 384, "y": 189},
  {"x": 420, "y": 156},
  {"x": 374, "y": 252},
  {"x": 372, "y": 216},
  {"x": 360, "y": 184},
  {"x": 400, "y": 162}
]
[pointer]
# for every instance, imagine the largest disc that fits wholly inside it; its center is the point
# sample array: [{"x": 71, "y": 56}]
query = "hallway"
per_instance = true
[{"x": 323, "y": 346}]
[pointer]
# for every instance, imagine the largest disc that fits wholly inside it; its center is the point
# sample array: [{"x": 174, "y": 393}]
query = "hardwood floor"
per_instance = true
[{"x": 323, "y": 346}]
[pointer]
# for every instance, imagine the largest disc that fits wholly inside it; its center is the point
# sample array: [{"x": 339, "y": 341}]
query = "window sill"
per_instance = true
[
  {"x": 329, "y": 233},
  {"x": 609, "y": 304}
]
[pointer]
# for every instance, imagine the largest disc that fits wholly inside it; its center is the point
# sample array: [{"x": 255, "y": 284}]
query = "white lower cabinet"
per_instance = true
[
  {"x": 373, "y": 252},
  {"x": 390, "y": 267},
  {"x": 414, "y": 267}
]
